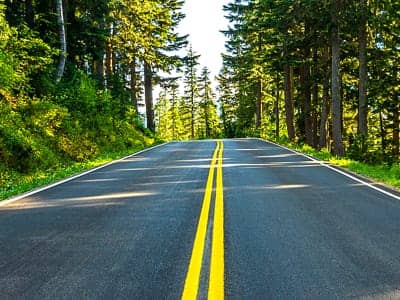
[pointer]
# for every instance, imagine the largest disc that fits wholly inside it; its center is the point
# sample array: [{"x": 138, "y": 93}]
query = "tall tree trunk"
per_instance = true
[
  {"x": 362, "y": 98},
  {"x": 206, "y": 117},
  {"x": 323, "y": 131},
  {"x": 289, "y": 110},
  {"x": 223, "y": 118},
  {"x": 259, "y": 89},
  {"x": 192, "y": 120},
  {"x": 305, "y": 80},
  {"x": 306, "y": 97},
  {"x": 276, "y": 106},
  {"x": 396, "y": 126},
  {"x": 259, "y": 103},
  {"x": 63, "y": 41},
  {"x": 382, "y": 131},
  {"x": 314, "y": 116},
  {"x": 74, "y": 53},
  {"x": 114, "y": 62},
  {"x": 338, "y": 148},
  {"x": 148, "y": 95},
  {"x": 134, "y": 93},
  {"x": 206, "y": 121},
  {"x": 192, "y": 110},
  {"x": 109, "y": 54},
  {"x": 98, "y": 68},
  {"x": 108, "y": 64},
  {"x": 173, "y": 115},
  {"x": 315, "y": 99}
]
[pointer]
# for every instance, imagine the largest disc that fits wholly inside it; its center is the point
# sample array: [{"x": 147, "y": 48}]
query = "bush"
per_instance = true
[{"x": 20, "y": 149}]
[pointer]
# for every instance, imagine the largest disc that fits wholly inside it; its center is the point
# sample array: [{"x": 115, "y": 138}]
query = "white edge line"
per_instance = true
[
  {"x": 47, "y": 187},
  {"x": 336, "y": 170}
]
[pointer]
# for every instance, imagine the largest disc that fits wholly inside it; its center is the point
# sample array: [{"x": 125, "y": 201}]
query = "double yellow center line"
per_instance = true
[{"x": 216, "y": 278}]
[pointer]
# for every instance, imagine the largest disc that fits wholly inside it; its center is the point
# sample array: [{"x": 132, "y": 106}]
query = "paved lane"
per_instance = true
[
  {"x": 292, "y": 229},
  {"x": 297, "y": 230}
]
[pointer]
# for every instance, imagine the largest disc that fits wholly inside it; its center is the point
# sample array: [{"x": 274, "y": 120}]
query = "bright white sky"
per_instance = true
[{"x": 204, "y": 19}]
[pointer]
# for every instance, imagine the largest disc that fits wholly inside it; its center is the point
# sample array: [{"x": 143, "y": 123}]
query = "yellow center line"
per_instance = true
[
  {"x": 216, "y": 284},
  {"x": 193, "y": 275}
]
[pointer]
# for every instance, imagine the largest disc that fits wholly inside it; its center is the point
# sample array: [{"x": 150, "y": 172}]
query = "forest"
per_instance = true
[
  {"x": 320, "y": 73},
  {"x": 72, "y": 75},
  {"x": 77, "y": 79}
]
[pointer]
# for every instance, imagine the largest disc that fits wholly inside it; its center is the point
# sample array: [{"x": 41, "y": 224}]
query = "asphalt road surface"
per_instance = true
[{"x": 275, "y": 224}]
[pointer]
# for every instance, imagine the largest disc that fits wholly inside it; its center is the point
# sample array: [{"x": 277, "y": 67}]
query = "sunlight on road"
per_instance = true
[
  {"x": 305, "y": 164},
  {"x": 278, "y": 155},
  {"x": 112, "y": 196},
  {"x": 80, "y": 201},
  {"x": 99, "y": 180}
]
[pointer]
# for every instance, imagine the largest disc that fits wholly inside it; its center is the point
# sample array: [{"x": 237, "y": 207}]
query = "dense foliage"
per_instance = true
[
  {"x": 323, "y": 73},
  {"x": 72, "y": 75}
]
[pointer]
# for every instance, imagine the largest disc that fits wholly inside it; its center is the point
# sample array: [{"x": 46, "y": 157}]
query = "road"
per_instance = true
[{"x": 269, "y": 224}]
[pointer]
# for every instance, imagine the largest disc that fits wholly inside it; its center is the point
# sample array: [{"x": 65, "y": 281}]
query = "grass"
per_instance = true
[
  {"x": 385, "y": 174},
  {"x": 17, "y": 183}
]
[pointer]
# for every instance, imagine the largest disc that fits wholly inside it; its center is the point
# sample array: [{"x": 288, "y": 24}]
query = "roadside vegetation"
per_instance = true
[
  {"x": 388, "y": 174},
  {"x": 72, "y": 74},
  {"x": 15, "y": 183}
]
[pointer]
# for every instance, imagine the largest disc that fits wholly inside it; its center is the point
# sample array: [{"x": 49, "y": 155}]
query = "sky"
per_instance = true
[{"x": 204, "y": 19}]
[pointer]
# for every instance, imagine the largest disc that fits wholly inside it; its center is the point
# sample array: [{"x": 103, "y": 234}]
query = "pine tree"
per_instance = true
[
  {"x": 208, "y": 112},
  {"x": 227, "y": 102},
  {"x": 338, "y": 147},
  {"x": 191, "y": 87}
]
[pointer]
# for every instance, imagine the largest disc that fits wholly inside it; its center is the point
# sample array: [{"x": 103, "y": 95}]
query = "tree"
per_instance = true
[
  {"x": 191, "y": 86},
  {"x": 163, "y": 116},
  {"x": 338, "y": 147},
  {"x": 245, "y": 72},
  {"x": 208, "y": 108},
  {"x": 362, "y": 98},
  {"x": 288, "y": 79},
  {"x": 63, "y": 41},
  {"x": 227, "y": 102}
]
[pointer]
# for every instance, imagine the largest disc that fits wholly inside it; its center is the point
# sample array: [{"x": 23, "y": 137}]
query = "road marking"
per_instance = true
[
  {"x": 216, "y": 285},
  {"x": 47, "y": 187},
  {"x": 337, "y": 170},
  {"x": 193, "y": 275}
]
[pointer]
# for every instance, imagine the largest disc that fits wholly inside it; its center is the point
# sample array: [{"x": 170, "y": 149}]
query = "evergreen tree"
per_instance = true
[
  {"x": 208, "y": 108},
  {"x": 338, "y": 147},
  {"x": 227, "y": 102},
  {"x": 191, "y": 87}
]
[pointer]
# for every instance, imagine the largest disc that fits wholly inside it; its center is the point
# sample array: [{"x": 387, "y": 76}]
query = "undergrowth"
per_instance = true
[{"x": 14, "y": 183}]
